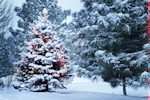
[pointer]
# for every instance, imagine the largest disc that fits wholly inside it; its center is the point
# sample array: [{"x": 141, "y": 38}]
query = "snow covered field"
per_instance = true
[
  {"x": 81, "y": 84},
  {"x": 80, "y": 89}
]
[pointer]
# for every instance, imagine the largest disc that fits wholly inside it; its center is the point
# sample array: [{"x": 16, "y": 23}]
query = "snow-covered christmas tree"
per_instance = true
[{"x": 44, "y": 64}]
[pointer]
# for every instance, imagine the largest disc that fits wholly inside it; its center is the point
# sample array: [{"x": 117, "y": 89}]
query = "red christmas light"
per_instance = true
[
  {"x": 46, "y": 40},
  {"x": 35, "y": 81},
  {"x": 58, "y": 60},
  {"x": 41, "y": 36}
]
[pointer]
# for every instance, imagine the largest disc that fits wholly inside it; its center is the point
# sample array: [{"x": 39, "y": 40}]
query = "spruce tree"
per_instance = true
[
  {"x": 44, "y": 64},
  {"x": 110, "y": 38},
  {"x": 31, "y": 8},
  {"x": 30, "y": 12}
]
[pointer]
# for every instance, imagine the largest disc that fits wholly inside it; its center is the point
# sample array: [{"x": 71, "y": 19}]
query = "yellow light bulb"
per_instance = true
[
  {"x": 45, "y": 11},
  {"x": 64, "y": 65},
  {"x": 32, "y": 69}
]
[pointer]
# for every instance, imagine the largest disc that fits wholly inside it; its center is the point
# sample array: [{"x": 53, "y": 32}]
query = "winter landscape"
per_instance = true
[
  {"x": 80, "y": 89},
  {"x": 74, "y": 50}
]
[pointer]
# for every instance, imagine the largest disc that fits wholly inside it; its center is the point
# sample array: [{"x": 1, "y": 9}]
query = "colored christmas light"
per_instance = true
[
  {"x": 64, "y": 65},
  {"x": 64, "y": 57},
  {"x": 58, "y": 60}
]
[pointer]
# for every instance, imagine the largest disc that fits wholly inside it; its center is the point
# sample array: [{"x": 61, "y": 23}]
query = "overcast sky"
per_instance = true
[{"x": 74, "y": 5}]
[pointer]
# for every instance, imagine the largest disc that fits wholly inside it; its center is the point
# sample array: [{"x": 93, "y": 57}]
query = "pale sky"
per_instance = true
[{"x": 74, "y": 5}]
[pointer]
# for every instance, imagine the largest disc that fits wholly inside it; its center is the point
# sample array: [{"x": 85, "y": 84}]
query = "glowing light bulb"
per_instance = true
[
  {"x": 33, "y": 69},
  {"x": 65, "y": 65},
  {"x": 45, "y": 11}
]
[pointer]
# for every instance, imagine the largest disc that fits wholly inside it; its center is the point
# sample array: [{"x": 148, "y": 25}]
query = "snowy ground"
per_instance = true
[
  {"x": 80, "y": 89},
  {"x": 81, "y": 84}
]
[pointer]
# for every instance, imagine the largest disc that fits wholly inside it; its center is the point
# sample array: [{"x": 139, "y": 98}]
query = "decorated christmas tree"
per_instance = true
[{"x": 44, "y": 64}]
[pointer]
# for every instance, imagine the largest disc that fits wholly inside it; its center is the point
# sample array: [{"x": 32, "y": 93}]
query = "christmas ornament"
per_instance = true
[{"x": 45, "y": 58}]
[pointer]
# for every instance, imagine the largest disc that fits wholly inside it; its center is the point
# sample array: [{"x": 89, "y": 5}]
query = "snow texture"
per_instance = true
[{"x": 81, "y": 89}]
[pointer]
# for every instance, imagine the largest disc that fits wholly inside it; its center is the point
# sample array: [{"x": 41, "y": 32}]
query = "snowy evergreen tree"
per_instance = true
[
  {"x": 30, "y": 11},
  {"x": 6, "y": 57},
  {"x": 31, "y": 8},
  {"x": 44, "y": 64},
  {"x": 109, "y": 40}
]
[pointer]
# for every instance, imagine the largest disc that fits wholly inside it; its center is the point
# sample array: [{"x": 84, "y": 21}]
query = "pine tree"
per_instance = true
[
  {"x": 110, "y": 37},
  {"x": 31, "y": 8},
  {"x": 44, "y": 65},
  {"x": 30, "y": 11}
]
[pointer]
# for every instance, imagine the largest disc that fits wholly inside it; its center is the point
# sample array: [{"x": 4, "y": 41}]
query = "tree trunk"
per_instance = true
[{"x": 124, "y": 86}]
